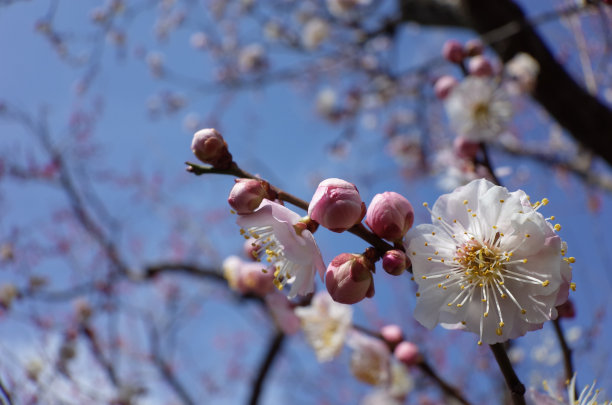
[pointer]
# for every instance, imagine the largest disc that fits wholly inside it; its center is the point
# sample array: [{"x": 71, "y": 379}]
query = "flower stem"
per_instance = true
[
  {"x": 517, "y": 389},
  {"x": 567, "y": 353}
]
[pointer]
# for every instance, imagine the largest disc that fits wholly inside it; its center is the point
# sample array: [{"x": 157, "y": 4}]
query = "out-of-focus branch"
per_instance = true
[
  {"x": 108, "y": 367},
  {"x": 6, "y": 397},
  {"x": 274, "y": 348},
  {"x": 504, "y": 26},
  {"x": 576, "y": 166},
  {"x": 567, "y": 352},
  {"x": 186, "y": 268},
  {"x": 433, "y": 12},
  {"x": 166, "y": 372}
]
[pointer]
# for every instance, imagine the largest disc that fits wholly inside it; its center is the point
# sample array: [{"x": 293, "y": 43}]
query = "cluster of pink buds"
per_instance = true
[
  {"x": 404, "y": 351},
  {"x": 209, "y": 146}
]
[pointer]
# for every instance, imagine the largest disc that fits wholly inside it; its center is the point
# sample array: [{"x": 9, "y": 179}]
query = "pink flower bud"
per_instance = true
[
  {"x": 336, "y": 205},
  {"x": 480, "y": 66},
  {"x": 444, "y": 85},
  {"x": 392, "y": 334},
  {"x": 567, "y": 310},
  {"x": 394, "y": 262},
  {"x": 407, "y": 353},
  {"x": 349, "y": 278},
  {"x": 464, "y": 148},
  {"x": 474, "y": 47},
  {"x": 390, "y": 215},
  {"x": 246, "y": 195},
  {"x": 209, "y": 146},
  {"x": 453, "y": 51}
]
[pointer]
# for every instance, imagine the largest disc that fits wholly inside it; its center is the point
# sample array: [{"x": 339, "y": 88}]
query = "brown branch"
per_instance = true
[
  {"x": 274, "y": 348},
  {"x": 516, "y": 387},
  {"x": 186, "y": 268},
  {"x": 7, "y": 399},
  {"x": 504, "y": 26},
  {"x": 567, "y": 353},
  {"x": 108, "y": 367}
]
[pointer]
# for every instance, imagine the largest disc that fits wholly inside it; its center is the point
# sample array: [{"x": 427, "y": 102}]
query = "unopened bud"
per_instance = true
[
  {"x": 246, "y": 195},
  {"x": 392, "y": 334},
  {"x": 349, "y": 278},
  {"x": 444, "y": 85},
  {"x": 407, "y": 353},
  {"x": 390, "y": 215},
  {"x": 452, "y": 50},
  {"x": 336, "y": 205},
  {"x": 480, "y": 66},
  {"x": 395, "y": 262},
  {"x": 209, "y": 146}
]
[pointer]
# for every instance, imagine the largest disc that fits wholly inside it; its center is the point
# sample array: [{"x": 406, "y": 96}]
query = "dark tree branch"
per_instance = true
[
  {"x": 187, "y": 268},
  {"x": 503, "y": 25},
  {"x": 274, "y": 349},
  {"x": 433, "y": 12},
  {"x": 7, "y": 399},
  {"x": 567, "y": 353},
  {"x": 516, "y": 387}
]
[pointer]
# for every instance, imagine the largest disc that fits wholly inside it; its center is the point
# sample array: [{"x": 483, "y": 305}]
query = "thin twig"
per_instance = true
[
  {"x": 448, "y": 389},
  {"x": 517, "y": 389},
  {"x": 274, "y": 349},
  {"x": 6, "y": 399},
  {"x": 567, "y": 353}
]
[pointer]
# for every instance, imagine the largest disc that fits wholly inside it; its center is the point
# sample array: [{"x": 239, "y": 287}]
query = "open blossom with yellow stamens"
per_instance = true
[
  {"x": 490, "y": 262},
  {"x": 588, "y": 396},
  {"x": 325, "y": 324},
  {"x": 282, "y": 236}
]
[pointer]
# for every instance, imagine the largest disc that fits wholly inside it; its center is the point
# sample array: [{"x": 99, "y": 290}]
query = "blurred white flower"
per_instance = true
[
  {"x": 325, "y": 324},
  {"x": 315, "y": 31},
  {"x": 478, "y": 109}
]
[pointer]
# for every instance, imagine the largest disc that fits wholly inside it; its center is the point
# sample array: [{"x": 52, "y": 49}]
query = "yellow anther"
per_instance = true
[
  {"x": 502, "y": 201},
  {"x": 425, "y": 204},
  {"x": 429, "y": 259},
  {"x": 527, "y": 235},
  {"x": 524, "y": 260},
  {"x": 479, "y": 343},
  {"x": 418, "y": 294},
  {"x": 501, "y": 324},
  {"x": 424, "y": 277},
  {"x": 433, "y": 233},
  {"x": 465, "y": 202},
  {"x": 459, "y": 305},
  {"x": 552, "y": 217},
  {"x": 557, "y": 227},
  {"x": 486, "y": 314},
  {"x": 545, "y": 283},
  {"x": 523, "y": 311},
  {"x": 498, "y": 331},
  {"x": 571, "y": 259},
  {"x": 573, "y": 286},
  {"x": 426, "y": 244},
  {"x": 545, "y": 201}
]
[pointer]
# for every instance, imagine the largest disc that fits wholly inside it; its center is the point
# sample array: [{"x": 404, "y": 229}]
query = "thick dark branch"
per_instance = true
[
  {"x": 433, "y": 12},
  {"x": 6, "y": 395},
  {"x": 503, "y": 25},
  {"x": 516, "y": 387},
  {"x": 273, "y": 350},
  {"x": 191, "y": 269}
]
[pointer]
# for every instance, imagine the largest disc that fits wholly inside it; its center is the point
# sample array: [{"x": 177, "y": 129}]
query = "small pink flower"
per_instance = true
[
  {"x": 209, "y": 146},
  {"x": 336, "y": 205},
  {"x": 444, "y": 85},
  {"x": 290, "y": 247},
  {"x": 407, "y": 353},
  {"x": 480, "y": 66},
  {"x": 246, "y": 195},
  {"x": 452, "y": 50},
  {"x": 390, "y": 215},
  {"x": 395, "y": 262},
  {"x": 349, "y": 278}
]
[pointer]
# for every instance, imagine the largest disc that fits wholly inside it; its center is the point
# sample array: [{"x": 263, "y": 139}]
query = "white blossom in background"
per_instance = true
[
  {"x": 479, "y": 109},
  {"x": 252, "y": 58},
  {"x": 326, "y": 102},
  {"x": 325, "y": 324},
  {"x": 588, "y": 396},
  {"x": 344, "y": 8},
  {"x": 370, "y": 360},
  {"x": 395, "y": 391},
  {"x": 288, "y": 245},
  {"x": 314, "y": 32},
  {"x": 490, "y": 262},
  {"x": 524, "y": 69}
]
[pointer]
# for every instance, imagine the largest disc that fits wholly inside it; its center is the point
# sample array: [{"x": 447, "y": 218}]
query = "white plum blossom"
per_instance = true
[
  {"x": 280, "y": 234},
  {"x": 588, "y": 396},
  {"x": 325, "y": 324},
  {"x": 490, "y": 262},
  {"x": 315, "y": 31},
  {"x": 479, "y": 109},
  {"x": 371, "y": 359}
]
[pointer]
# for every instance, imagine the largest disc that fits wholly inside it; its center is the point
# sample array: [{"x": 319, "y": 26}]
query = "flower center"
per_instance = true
[
  {"x": 480, "y": 112},
  {"x": 482, "y": 264}
]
